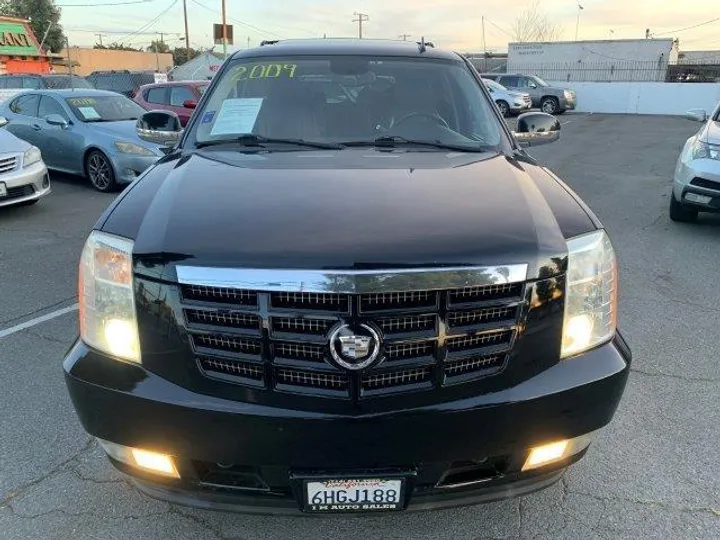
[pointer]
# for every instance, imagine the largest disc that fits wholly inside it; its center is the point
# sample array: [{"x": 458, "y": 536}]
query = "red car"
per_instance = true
[{"x": 180, "y": 97}]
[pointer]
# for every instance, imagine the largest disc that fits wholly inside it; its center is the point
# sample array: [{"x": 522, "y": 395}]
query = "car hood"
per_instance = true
[
  {"x": 355, "y": 209},
  {"x": 10, "y": 144}
]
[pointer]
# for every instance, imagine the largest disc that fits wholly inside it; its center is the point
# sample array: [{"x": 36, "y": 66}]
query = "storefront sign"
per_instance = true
[{"x": 15, "y": 41}]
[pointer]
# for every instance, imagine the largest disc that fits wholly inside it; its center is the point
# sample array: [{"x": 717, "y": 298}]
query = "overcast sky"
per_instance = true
[{"x": 454, "y": 24}]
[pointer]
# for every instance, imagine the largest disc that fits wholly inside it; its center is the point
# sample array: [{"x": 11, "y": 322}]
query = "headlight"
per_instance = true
[
  {"x": 591, "y": 293},
  {"x": 31, "y": 156},
  {"x": 702, "y": 150},
  {"x": 567, "y": 94},
  {"x": 107, "y": 302},
  {"x": 132, "y": 148}
]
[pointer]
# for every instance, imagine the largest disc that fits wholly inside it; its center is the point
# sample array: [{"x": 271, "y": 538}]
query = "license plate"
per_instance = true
[
  {"x": 354, "y": 495},
  {"x": 3, "y": 190}
]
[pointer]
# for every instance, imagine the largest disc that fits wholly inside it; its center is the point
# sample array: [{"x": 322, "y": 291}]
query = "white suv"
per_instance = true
[{"x": 508, "y": 102}]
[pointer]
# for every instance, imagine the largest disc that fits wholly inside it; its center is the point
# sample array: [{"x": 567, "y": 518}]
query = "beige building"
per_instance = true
[{"x": 85, "y": 61}]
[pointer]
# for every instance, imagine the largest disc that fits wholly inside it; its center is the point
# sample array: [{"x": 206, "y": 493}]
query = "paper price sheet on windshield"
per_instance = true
[
  {"x": 89, "y": 113},
  {"x": 237, "y": 116}
]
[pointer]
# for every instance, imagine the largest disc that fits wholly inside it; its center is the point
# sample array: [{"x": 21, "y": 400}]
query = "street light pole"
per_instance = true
[{"x": 577, "y": 25}]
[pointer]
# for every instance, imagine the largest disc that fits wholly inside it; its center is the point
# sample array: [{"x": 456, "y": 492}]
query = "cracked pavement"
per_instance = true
[{"x": 651, "y": 474}]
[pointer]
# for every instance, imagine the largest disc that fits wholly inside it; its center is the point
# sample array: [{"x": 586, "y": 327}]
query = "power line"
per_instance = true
[
  {"x": 109, "y": 4},
  {"x": 241, "y": 23},
  {"x": 151, "y": 21},
  {"x": 499, "y": 27},
  {"x": 689, "y": 27}
]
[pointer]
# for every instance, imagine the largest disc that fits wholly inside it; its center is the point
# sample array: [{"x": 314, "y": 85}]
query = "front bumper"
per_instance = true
[
  {"x": 25, "y": 184},
  {"x": 698, "y": 177},
  {"x": 129, "y": 166},
  {"x": 127, "y": 405},
  {"x": 568, "y": 104}
]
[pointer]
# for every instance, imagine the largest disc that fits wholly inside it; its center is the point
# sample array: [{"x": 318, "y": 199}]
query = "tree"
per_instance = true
[
  {"x": 182, "y": 55},
  {"x": 41, "y": 13},
  {"x": 158, "y": 46},
  {"x": 535, "y": 25},
  {"x": 116, "y": 47}
]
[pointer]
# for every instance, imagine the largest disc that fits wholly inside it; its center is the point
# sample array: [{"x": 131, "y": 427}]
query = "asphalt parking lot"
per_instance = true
[{"x": 652, "y": 473}]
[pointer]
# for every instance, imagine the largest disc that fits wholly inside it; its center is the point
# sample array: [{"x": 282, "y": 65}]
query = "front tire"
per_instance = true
[
  {"x": 549, "y": 105},
  {"x": 680, "y": 213},
  {"x": 100, "y": 172},
  {"x": 504, "y": 108}
]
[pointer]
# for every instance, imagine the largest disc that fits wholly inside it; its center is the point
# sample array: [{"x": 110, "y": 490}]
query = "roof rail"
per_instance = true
[{"x": 268, "y": 42}]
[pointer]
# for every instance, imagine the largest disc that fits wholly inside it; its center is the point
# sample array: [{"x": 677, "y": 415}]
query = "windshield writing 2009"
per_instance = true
[{"x": 260, "y": 71}]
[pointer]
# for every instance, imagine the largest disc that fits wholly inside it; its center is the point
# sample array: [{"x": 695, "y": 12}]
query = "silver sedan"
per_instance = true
[
  {"x": 24, "y": 178},
  {"x": 696, "y": 186}
]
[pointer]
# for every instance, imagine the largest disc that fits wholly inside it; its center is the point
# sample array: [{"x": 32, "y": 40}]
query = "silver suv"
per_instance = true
[{"x": 549, "y": 99}]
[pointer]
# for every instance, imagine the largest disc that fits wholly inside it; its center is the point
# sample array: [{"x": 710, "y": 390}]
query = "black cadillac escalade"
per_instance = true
[{"x": 346, "y": 288}]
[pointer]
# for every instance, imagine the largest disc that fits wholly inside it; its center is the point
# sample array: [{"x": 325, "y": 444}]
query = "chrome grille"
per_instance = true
[
  {"x": 231, "y": 368},
  {"x": 223, "y": 295},
  {"x": 300, "y": 351},
  {"x": 296, "y": 377},
  {"x": 472, "y": 365},
  {"x": 227, "y": 343},
  {"x": 414, "y": 349},
  {"x": 487, "y": 339},
  {"x": 228, "y": 319},
  {"x": 311, "y": 301},
  {"x": 398, "y": 300},
  {"x": 278, "y": 340},
  {"x": 8, "y": 164},
  {"x": 412, "y": 323},
  {"x": 481, "y": 316},
  {"x": 406, "y": 377},
  {"x": 301, "y": 326},
  {"x": 471, "y": 295}
]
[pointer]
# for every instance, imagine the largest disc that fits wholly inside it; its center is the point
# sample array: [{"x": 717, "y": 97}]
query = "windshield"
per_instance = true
[
  {"x": 343, "y": 99},
  {"x": 104, "y": 108},
  {"x": 540, "y": 81},
  {"x": 495, "y": 85}
]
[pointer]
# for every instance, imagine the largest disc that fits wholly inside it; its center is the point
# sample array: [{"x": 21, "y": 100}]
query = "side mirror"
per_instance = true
[
  {"x": 160, "y": 127},
  {"x": 536, "y": 128},
  {"x": 3, "y": 121},
  {"x": 532, "y": 85},
  {"x": 699, "y": 115},
  {"x": 189, "y": 103},
  {"x": 56, "y": 120}
]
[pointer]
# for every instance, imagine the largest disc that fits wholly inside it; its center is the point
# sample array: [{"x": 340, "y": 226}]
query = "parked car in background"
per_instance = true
[
  {"x": 121, "y": 81},
  {"x": 180, "y": 97},
  {"x": 36, "y": 80},
  {"x": 549, "y": 99},
  {"x": 696, "y": 186},
  {"x": 508, "y": 102},
  {"x": 24, "y": 179},
  {"x": 90, "y": 133}
]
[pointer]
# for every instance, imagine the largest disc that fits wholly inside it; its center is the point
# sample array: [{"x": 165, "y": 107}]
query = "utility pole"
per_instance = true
[
  {"x": 483, "y": 34},
  {"x": 248, "y": 40},
  {"x": 577, "y": 25},
  {"x": 224, "y": 31},
  {"x": 99, "y": 36},
  {"x": 157, "y": 52},
  {"x": 69, "y": 61},
  {"x": 361, "y": 18},
  {"x": 187, "y": 31},
  {"x": 404, "y": 36}
]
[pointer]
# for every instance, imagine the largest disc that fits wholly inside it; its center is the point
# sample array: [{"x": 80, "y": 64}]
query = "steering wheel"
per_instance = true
[{"x": 436, "y": 118}]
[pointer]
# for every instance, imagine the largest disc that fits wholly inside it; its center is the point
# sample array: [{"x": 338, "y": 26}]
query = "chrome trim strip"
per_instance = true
[{"x": 352, "y": 281}]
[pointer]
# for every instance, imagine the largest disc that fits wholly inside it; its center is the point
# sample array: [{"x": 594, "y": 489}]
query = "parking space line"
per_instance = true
[{"x": 37, "y": 320}]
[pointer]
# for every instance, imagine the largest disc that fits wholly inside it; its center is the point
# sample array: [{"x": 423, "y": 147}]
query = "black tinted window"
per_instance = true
[
  {"x": 32, "y": 82},
  {"x": 512, "y": 82},
  {"x": 13, "y": 82},
  {"x": 179, "y": 95},
  {"x": 155, "y": 95},
  {"x": 27, "y": 105},
  {"x": 50, "y": 105}
]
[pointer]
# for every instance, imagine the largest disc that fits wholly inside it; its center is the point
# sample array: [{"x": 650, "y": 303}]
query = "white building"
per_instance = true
[{"x": 595, "y": 61}]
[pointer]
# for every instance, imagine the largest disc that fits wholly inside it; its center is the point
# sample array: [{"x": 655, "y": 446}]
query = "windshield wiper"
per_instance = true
[
  {"x": 258, "y": 141},
  {"x": 394, "y": 141}
]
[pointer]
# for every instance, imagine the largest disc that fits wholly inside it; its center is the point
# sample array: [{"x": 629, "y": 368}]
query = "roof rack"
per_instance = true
[
  {"x": 268, "y": 42},
  {"x": 423, "y": 45}
]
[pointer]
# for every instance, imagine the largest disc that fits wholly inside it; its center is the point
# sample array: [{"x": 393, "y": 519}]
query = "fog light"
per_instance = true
[
  {"x": 546, "y": 454},
  {"x": 694, "y": 197},
  {"x": 146, "y": 460}
]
